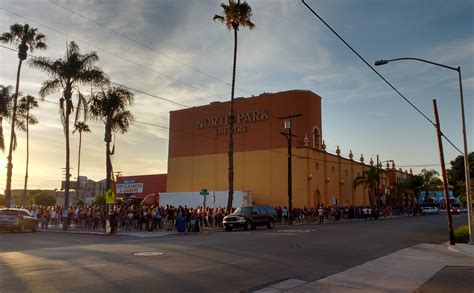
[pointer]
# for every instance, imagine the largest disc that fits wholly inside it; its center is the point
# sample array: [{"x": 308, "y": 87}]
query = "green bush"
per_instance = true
[
  {"x": 99, "y": 199},
  {"x": 461, "y": 234},
  {"x": 44, "y": 199}
]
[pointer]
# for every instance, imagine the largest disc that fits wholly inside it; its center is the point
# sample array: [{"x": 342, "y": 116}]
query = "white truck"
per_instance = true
[{"x": 204, "y": 198}]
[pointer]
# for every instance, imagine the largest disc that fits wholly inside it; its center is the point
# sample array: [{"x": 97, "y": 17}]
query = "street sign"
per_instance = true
[
  {"x": 204, "y": 192},
  {"x": 110, "y": 196}
]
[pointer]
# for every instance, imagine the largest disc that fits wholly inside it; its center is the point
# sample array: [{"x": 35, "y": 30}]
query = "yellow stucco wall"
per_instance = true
[{"x": 318, "y": 177}]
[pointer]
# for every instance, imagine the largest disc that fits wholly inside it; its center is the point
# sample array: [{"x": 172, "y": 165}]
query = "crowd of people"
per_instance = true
[{"x": 163, "y": 218}]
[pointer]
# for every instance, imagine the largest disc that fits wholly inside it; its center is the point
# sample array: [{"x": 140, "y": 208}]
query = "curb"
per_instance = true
[{"x": 461, "y": 248}]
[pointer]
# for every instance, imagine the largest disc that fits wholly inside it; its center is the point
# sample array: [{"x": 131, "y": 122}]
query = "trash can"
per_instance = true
[{"x": 180, "y": 224}]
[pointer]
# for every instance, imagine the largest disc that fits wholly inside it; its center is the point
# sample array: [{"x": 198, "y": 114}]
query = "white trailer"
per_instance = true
[{"x": 214, "y": 199}]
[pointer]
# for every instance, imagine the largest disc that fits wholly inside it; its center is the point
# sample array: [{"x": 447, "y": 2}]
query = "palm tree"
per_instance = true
[
  {"x": 5, "y": 101},
  {"x": 110, "y": 107},
  {"x": 80, "y": 126},
  {"x": 369, "y": 179},
  {"x": 66, "y": 75},
  {"x": 26, "y": 119},
  {"x": 27, "y": 38},
  {"x": 235, "y": 15}
]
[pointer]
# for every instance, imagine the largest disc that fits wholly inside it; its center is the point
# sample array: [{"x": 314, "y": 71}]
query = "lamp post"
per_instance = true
[
  {"x": 463, "y": 122},
  {"x": 379, "y": 166},
  {"x": 288, "y": 136}
]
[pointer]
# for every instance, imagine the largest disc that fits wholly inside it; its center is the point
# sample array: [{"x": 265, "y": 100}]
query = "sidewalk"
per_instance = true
[{"x": 420, "y": 268}]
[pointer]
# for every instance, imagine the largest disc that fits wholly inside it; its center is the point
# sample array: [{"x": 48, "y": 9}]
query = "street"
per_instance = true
[{"x": 208, "y": 261}]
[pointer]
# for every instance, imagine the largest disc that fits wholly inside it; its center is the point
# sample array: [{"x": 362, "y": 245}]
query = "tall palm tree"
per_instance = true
[
  {"x": 110, "y": 107},
  {"x": 80, "y": 126},
  {"x": 66, "y": 75},
  {"x": 26, "y": 105},
  {"x": 5, "y": 101},
  {"x": 235, "y": 14},
  {"x": 27, "y": 38},
  {"x": 6, "y": 105},
  {"x": 369, "y": 179}
]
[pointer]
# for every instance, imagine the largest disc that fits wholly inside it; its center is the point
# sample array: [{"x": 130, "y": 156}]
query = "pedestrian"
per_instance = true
[
  {"x": 365, "y": 212},
  {"x": 113, "y": 222},
  {"x": 284, "y": 214},
  {"x": 321, "y": 214}
]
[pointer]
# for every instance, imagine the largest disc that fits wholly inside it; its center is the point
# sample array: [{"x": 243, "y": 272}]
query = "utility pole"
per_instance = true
[
  {"x": 288, "y": 136},
  {"x": 443, "y": 173},
  {"x": 378, "y": 181}
]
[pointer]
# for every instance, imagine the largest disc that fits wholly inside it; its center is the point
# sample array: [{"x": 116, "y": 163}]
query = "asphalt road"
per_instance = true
[{"x": 212, "y": 262}]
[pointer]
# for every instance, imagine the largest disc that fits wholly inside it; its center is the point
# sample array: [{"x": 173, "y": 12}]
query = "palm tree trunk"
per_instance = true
[
  {"x": 27, "y": 153},
  {"x": 8, "y": 191},
  {"x": 79, "y": 164},
  {"x": 230, "y": 152},
  {"x": 2, "y": 140},
  {"x": 67, "y": 99}
]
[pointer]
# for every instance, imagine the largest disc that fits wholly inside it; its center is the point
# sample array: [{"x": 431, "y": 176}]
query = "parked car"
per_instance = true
[
  {"x": 430, "y": 211},
  {"x": 250, "y": 217},
  {"x": 17, "y": 220}
]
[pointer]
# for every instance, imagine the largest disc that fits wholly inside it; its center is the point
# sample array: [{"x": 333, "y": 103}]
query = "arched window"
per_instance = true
[{"x": 316, "y": 138}]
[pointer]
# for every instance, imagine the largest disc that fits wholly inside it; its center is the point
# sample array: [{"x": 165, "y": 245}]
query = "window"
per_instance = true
[
  {"x": 261, "y": 210},
  {"x": 316, "y": 138}
]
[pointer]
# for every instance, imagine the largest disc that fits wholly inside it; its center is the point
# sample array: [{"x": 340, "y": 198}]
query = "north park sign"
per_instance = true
[{"x": 221, "y": 123}]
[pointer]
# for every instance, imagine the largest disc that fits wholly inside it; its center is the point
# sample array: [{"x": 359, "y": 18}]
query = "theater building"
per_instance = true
[{"x": 198, "y": 141}]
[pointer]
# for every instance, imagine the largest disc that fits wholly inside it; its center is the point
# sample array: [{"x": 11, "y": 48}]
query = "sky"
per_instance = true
[{"x": 167, "y": 50}]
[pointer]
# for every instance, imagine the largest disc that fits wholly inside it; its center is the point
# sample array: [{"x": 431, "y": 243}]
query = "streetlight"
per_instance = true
[
  {"x": 466, "y": 154},
  {"x": 379, "y": 166},
  {"x": 288, "y": 136}
]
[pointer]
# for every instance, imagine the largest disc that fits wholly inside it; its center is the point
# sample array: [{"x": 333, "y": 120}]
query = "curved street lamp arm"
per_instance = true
[{"x": 382, "y": 62}]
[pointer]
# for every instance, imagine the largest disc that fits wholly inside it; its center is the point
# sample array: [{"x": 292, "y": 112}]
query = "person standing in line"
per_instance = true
[
  {"x": 284, "y": 214},
  {"x": 321, "y": 214},
  {"x": 113, "y": 222},
  {"x": 365, "y": 211}
]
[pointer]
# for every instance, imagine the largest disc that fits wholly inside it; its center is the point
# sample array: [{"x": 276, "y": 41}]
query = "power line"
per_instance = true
[
  {"x": 380, "y": 75},
  {"x": 218, "y": 139},
  {"x": 113, "y": 54},
  {"x": 143, "y": 45}
]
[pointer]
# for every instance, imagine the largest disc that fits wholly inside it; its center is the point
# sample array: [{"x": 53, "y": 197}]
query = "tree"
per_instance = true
[
  {"x": 415, "y": 183},
  {"x": 80, "y": 126},
  {"x": 456, "y": 175},
  {"x": 369, "y": 179},
  {"x": 431, "y": 181},
  {"x": 6, "y": 97},
  {"x": 66, "y": 75},
  {"x": 6, "y": 105},
  {"x": 44, "y": 199},
  {"x": 25, "y": 120},
  {"x": 110, "y": 107},
  {"x": 235, "y": 15},
  {"x": 99, "y": 200},
  {"x": 27, "y": 38}
]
